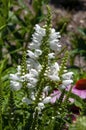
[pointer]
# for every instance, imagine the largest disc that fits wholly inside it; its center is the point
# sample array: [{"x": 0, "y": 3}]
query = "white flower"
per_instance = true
[
  {"x": 41, "y": 105},
  {"x": 37, "y": 53},
  {"x": 54, "y": 40},
  {"x": 26, "y": 76},
  {"x": 37, "y": 37},
  {"x": 31, "y": 54},
  {"x": 26, "y": 100},
  {"x": 30, "y": 86},
  {"x": 15, "y": 85},
  {"x": 51, "y": 55},
  {"x": 39, "y": 30},
  {"x": 34, "y": 72},
  {"x": 46, "y": 100},
  {"x": 33, "y": 81},
  {"x": 67, "y": 79},
  {"x": 67, "y": 82},
  {"x": 67, "y": 75},
  {"x": 54, "y": 68},
  {"x": 32, "y": 95},
  {"x": 54, "y": 77},
  {"x": 35, "y": 45},
  {"x": 15, "y": 80},
  {"x": 33, "y": 64},
  {"x": 14, "y": 77},
  {"x": 54, "y": 45},
  {"x": 46, "y": 89},
  {"x": 53, "y": 72},
  {"x": 18, "y": 70},
  {"x": 54, "y": 34}
]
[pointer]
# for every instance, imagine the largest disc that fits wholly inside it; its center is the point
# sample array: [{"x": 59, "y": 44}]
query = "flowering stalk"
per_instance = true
[
  {"x": 61, "y": 72},
  {"x": 40, "y": 72},
  {"x": 24, "y": 71},
  {"x": 12, "y": 116},
  {"x": 60, "y": 109},
  {"x": 44, "y": 61}
]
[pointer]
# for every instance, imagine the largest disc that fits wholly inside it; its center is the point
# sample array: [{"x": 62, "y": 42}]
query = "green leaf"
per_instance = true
[{"x": 77, "y": 100}]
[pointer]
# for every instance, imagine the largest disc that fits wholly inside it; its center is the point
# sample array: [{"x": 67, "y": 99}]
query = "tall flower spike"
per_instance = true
[{"x": 37, "y": 37}]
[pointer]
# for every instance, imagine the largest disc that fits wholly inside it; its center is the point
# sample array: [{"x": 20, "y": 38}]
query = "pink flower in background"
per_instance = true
[
  {"x": 79, "y": 88},
  {"x": 55, "y": 95}
]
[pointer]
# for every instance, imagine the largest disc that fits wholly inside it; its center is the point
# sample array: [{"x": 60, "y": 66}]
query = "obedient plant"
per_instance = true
[{"x": 38, "y": 75}]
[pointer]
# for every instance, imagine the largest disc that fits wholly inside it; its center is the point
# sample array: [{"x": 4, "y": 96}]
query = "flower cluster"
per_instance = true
[
  {"x": 34, "y": 67},
  {"x": 15, "y": 79}
]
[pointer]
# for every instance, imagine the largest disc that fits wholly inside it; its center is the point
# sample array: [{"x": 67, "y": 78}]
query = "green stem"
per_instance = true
[
  {"x": 35, "y": 121},
  {"x": 12, "y": 115},
  {"x": 67, "y": 96}
]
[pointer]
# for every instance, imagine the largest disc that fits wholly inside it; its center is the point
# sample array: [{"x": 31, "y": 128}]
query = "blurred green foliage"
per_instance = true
[
  {"x": 62, "y": 24},
  {"x": 80, "y": 124},
  {"x": 17, "y": 20},
  {"x": 78, "y": 43}
]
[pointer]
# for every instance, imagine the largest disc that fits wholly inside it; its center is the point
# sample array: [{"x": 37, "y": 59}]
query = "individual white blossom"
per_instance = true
[
  {"x": 14, "y": 77},
  {"x": 46, "y": 89},
  {"x": 35, "y": 54},
  {"x": 33, "y": 81},
  {"x": 15, "y": 85},
  {"x": 54, "y": 41},
  {"x": 41, "y": 105},
  {"x": 51, "y": 55},
  {"x": 39, "y": 30},
  {"x": 15, "y": 80},
  {"x": 30, "y": 86},
  {"x": 53, "y": 72},
  {"x": 54, "y": 77},
  {"x": 33, "y": 64},
  {"x": 31, "y": 78},
  {"x": 32, "y": 95},
  {"x": 46, "y": 100},
  {"x": 54, "y": 45},
  {"x": 31, "y": 54},
  {"x": 34, "y": 72},
  {"x": 67, "y": 79},
  {"x": 54, "y": 34},
  {"x": 67, "y": 75},
  {"x": 67, "y": 82},
  {"x": 18, "y": 70}
]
